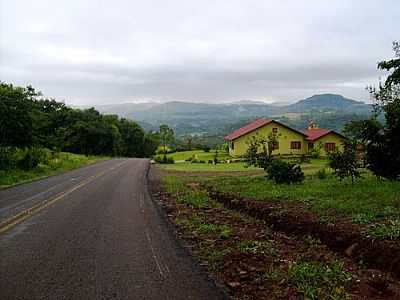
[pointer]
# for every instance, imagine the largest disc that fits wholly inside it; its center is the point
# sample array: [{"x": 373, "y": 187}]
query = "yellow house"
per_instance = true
[{"x": 289, "y": 141}]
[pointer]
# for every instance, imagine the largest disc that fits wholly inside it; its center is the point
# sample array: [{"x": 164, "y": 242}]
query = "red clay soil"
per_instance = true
[
  {"x": 341, "y": 236},
  {"x": 263, "y": 275}
]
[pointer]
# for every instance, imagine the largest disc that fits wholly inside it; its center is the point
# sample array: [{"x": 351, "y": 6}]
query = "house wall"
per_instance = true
[
  {"x": 284, "y": 136},
  {"x": 329, "y": 138}
]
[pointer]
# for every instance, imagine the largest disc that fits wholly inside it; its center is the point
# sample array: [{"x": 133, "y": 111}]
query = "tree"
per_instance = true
[
  {"x": 259, "y": 150},
  {"x": 166, "y": 136},
  {"x": 16, "y": 120},
  {"x": 383, "y": 149},
  {"x": 344, "y": 163}
]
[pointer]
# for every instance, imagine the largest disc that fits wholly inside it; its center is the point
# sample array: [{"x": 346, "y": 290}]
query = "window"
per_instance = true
[
  {"x": 274, "y": 130},
  {"x": 329, "y": 147},
  {"x": 233, "y": 146},
  {"x": 275, "y": 145},
  {"x": 295, "y": 145}
]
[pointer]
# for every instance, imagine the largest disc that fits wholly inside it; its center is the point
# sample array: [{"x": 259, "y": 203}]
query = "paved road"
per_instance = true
[{"x": 93, "y": 233}]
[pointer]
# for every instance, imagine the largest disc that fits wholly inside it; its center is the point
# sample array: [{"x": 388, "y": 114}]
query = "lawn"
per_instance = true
[
  {"x": 368, "y": 199},
  {"x": 198, "y": 167},
  {"x": 198, "y": 154},
  {"x": 308, "y": 168},
  {"x": 60, "y": 163}
]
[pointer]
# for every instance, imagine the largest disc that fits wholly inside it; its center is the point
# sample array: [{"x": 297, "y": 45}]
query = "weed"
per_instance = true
[
  {"x": 222, "y": 231},
  {"x": 312, "y": 241},
  {"x": 321, "y": 174},
  {"x": 389, "y": 231},
  {"x": 318, "y": 281},
  {"x": 257, "y": 247},
  {"x": 364, "y": 218}
]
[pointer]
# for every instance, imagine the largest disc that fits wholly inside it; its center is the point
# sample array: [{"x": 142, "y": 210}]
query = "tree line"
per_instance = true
[{"x": 27, "y": 120}]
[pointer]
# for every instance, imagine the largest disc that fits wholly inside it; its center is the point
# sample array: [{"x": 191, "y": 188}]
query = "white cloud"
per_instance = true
[{"x": 100, "y": 51}]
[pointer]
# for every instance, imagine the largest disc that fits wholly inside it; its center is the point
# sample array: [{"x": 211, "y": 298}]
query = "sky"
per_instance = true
[{"x": 104, "y": 52}]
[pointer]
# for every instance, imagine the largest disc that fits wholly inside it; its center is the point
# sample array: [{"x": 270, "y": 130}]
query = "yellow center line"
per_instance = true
[{"x": 38, "y": 207}]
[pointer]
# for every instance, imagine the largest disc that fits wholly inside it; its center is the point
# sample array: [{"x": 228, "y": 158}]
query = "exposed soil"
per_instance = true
[
  {"x": 340, "y": 236},
  {"x": 291, "y": 238}
]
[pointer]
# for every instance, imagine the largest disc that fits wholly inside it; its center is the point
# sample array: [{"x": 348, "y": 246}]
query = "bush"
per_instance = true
[
  {"x": 164, "y": 160},
  {"x": 284, "y": 172},
  {"x": 321, "y": 174},
  {"x": 206, "y": 149},
  {"x": 32, "y": 157},
  {"x": 7, "y": 158},
  {"x": 344, "y": 163}
]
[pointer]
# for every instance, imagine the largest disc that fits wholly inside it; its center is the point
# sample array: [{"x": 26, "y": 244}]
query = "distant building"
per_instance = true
[{"x": 289, "y": 141}]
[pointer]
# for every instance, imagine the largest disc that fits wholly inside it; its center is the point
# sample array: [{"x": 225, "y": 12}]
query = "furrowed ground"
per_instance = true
[{"x": 323, "y": 239}]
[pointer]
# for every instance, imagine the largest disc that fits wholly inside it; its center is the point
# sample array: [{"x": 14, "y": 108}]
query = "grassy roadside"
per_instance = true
[
  {"x": 367, "y": 200},
  {"x": 61, "y": 163},
  {"x": 254, "y": 261}
]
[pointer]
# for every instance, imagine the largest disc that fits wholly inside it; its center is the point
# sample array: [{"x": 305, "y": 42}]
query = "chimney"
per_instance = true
[{"x": 312, "y": 125}]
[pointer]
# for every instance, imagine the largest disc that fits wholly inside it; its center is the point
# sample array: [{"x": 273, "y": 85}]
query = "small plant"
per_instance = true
[
  {"x": 312, "y": 241},
  {"x": 223, "y": 231},
  {"x": 322, "y": 174},
  {"x": 318, "y": 281},
  {"x": 257, "y": 247},
  {"x": 364, "y": 218},
  {"x": 390, "y": 231},
  {"x": 284, "y": 172}
]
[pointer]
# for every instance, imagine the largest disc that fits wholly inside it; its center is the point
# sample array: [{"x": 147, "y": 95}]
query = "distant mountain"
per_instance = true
[
  {"x": 218, "y": 119},
  {"x": 326, "y": 102}
]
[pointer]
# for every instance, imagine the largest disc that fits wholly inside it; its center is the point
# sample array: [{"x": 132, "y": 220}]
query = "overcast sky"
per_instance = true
[{"x": 102, "y": 51}]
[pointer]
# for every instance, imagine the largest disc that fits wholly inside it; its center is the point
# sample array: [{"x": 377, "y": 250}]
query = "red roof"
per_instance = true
[
  {"x": 247, "y": 128},
  {"x": 315, "y": 133}
]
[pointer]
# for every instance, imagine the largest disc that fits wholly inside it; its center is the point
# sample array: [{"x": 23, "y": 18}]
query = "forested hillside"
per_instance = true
[{"x": 27, "y": 119}]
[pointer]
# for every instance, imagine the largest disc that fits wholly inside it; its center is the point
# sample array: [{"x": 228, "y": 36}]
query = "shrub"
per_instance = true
[
  {"x": 164, "y": 160},
  {"x": 206, "y": 149},
  {"x": 32, "y": 157},
  {"x": 284, "y": 172},
  {"x": 7, "y": 158},
  {"x": 344, "y": 163},
  {"x": 321, "y": 174}
]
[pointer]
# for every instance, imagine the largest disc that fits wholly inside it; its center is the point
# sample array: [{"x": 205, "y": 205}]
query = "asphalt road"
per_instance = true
[{"x": 93, "y": 233}]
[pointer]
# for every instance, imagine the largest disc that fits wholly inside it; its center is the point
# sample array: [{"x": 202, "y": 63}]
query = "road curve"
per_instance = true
[{"x": 94, "y": 234}]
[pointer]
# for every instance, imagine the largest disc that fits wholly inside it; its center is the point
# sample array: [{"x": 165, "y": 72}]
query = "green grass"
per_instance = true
[
  {"x": 199, "y": 154},
  {"x": 198, "y": 167},
  {"x": 257, "y": 247},
  {"x": 308, "y": 168},
  {"x": 61, "y": 163},
  {"x": 319, "y": 281},
  {"x": 389, "y": 231},
  {"x": 366, "y": 201}
]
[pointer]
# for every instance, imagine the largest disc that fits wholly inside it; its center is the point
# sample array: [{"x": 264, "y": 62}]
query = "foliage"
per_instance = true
[
  {"x": 164, "y": 159},
  {"x": 281, "y": 171},
  {"x": 259, "y": 151},
  {"x": 382, "y": 141},
  {"x": 377, "y": 199},
  {"x": 321, "y": 174},
  {"x": 32, "y": 157},
  {"x": 319, "y": 281},
  {"x": 344, "y": 163},
  {"x": 390, "y": 231},
  {"x": 257, "y": 247},
  {"x": 166, "y": 136},
  {"x": 29, "y": 120},
  {"x": 56, "y": 162}
]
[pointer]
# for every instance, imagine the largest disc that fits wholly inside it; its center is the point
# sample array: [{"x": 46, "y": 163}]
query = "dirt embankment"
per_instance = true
[{"x": 341, "y": 236}]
